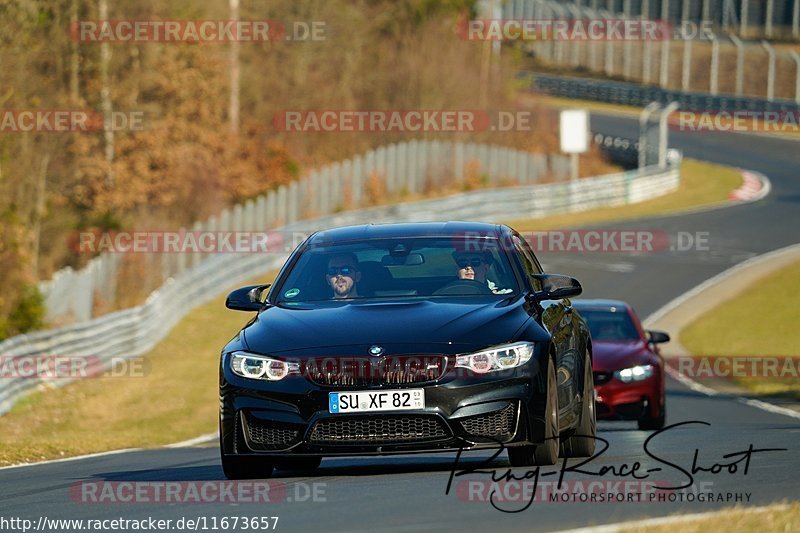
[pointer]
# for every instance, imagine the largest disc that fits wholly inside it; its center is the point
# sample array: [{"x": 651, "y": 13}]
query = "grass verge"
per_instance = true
[
  {"x": 702, "y": 184},
  {"x": 176, "y": 399},
  {"x": 774, "y": 518},
  {"x": 760, "y": 321}
]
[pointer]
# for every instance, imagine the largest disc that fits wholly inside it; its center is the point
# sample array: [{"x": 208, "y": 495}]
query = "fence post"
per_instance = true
[
  {"x": 739, "y": 64},
  {"x": 391, "y": 169},
  {"x": 743, "y": 16},
  {"x": 357, "y": 180},
  {"x": 272, "y": 210},
  {"x": 324, "y": 191},
  {"x": 771, "y": 70},
  {"x": 714, "y": 74},
  {"x": 282, "y": 207},
  {"x": 796, "y": 58},
  {"x": 687, "y": 64},
  {"x": 402, "y": 168},
  {"x": 627, "y": 59},
  {"x": 663, "y": 79},
  {"x": 768, "y": 18},
  {"x": 608, "y": 68},
  {"x": 294, "y": 201}
]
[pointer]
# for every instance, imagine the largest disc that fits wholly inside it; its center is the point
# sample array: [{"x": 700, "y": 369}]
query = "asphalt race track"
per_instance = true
[{"x": 407, "y": 493}]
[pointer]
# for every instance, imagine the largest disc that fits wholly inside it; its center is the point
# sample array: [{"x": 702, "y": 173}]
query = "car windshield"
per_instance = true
[
  {"x": 399, "y": 268},
  {"x": 607, "y": 325}
]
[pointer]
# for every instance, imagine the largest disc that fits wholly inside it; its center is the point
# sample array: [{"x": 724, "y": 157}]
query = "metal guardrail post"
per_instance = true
[
  {"x": 644, "y": 118},
  {"x": 771, "y": 70},
  {"x": 664, "y": 133},
  {"x": 739, "y": 64}
]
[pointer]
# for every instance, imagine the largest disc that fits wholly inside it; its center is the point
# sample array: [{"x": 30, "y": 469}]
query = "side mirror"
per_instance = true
[
  {"x": 657, "y": 337},
  {"x": 556, "y": 286},
  {"x": 246, "y": 298}
]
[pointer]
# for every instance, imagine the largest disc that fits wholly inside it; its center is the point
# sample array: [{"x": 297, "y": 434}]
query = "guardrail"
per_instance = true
[
  {"x": 616, "y": 92},
  {"x": 412, "y": 167},
  {"x": 133, "y": 332}
]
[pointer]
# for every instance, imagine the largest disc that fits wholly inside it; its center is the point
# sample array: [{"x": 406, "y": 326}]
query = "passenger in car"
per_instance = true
[{"x": 475, "y": 266}]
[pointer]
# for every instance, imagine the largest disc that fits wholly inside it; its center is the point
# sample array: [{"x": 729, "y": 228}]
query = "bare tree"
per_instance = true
[{"x": 233, "y": 109}]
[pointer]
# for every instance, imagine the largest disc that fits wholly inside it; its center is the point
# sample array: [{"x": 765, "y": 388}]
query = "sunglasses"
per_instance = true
[
  {"x": 474, "y": 263},
  {"x": 344, "y": 271}
]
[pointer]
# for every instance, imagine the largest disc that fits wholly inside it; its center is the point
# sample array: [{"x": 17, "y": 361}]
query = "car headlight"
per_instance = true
[
  {"x": 634, "y": 373},
  {"x": 253, "y": 366},
  {"x": 498, "y": 358}
]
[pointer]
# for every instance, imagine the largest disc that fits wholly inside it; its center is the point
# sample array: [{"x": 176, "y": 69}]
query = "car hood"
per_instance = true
[
  {"x": 611, "y": 356},
  {"x": 456, "y": 325}
]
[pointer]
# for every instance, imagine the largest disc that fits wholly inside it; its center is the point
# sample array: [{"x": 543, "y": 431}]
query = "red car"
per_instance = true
[{"x": 627, "y": 364}]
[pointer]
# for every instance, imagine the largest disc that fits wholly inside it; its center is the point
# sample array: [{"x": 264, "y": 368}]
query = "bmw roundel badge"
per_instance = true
[{"x": 375, "y": 350}]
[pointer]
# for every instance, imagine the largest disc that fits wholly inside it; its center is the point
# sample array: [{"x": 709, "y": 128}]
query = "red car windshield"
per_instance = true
[{"x": 607, "y": 325}]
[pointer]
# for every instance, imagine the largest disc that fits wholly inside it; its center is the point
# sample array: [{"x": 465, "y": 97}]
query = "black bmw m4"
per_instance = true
[{"x": 404, "y": 338}]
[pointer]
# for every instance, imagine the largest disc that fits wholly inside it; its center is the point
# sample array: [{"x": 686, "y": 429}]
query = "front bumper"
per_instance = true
[
  {"x": 462, "y": 411},
  {"x": 628, "y": 401}
]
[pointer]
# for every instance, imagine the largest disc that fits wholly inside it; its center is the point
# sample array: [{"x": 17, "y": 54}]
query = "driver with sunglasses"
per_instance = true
[
  {"x": 474, "y": 266},
  {"x": 343, "y": 275}
]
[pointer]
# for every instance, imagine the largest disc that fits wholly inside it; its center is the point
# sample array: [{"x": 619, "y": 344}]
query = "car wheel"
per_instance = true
[
  {"x": 547, "y": 452},
  {"x": 577, "y": 445},
  {"x": 656, "y": 422},
  {"x": 299, "y": 463},
  {"x": 236, "y": 467}
]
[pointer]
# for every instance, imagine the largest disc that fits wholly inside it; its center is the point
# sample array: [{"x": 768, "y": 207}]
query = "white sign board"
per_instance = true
[{"x": 574, "y": 129}]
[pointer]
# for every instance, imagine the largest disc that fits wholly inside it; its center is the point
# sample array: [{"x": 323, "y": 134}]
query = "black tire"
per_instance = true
[
  {"x": 299, "y": 463},
  {"x": 544, "y": 454},
  {"x": 578, "y": 446},
  {"x": 653, "y": 423},
  {"x": 238, "y": 467}
]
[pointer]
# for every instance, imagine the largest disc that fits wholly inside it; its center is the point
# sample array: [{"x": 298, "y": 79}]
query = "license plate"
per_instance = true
[{"x": 384, "y": 400}]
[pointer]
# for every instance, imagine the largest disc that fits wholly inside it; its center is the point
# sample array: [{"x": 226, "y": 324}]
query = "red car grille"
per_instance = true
[{"x": 361, "y": 371}]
